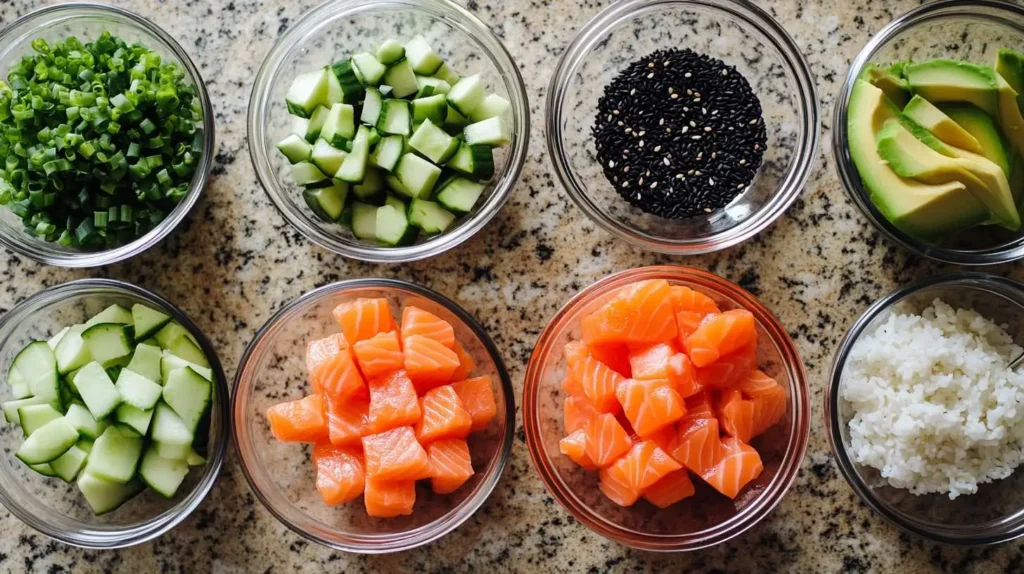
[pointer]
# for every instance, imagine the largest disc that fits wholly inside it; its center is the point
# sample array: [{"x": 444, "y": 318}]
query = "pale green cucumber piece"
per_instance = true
[
  {"x": 148, "y": 321},
  {"x": 114, "y": 456},
  {"x": 48, "y": 442},
  {"x": 134, "y": 418},
  {"x": 146, "y": 361},
  {"x": 69, "y": 464},
  {"x": 83, "y": 421},
  {"x": 189, "y": 394},
  {"x": 138, "y": 391},
  {"x": 97, "y": 390},
  {"x": 295, "y": 148},
  {"x": 71, "y": 351},
  {"x": 161, "y": 474},
  {"x": 168, "y": 428},
  {"x": 105, "y": 495},
  {"x": 108, "y": 342},
  {"x": 113, "y": 314},
  {"x": 55, "y": 340},
  {"x": 34, "y": 417},
  {"x": 170, "y": 362}
]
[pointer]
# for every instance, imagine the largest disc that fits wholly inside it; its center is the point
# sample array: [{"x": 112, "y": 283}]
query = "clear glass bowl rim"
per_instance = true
[
  {"x": 259, "y": 108},
  {"x": 847, "y": 170},
  {"x": 396, "y": 542},
  {"x": 992, "y": 532},
  {"x": 579, "y": 50},
  {"x": 155, "y": 527},
  {"x": 96, "y": 259},
  {"x": 752, "y": 513}
]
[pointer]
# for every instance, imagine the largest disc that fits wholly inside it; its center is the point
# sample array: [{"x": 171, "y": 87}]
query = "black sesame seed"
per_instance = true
[{"x": 645, "y": 96}]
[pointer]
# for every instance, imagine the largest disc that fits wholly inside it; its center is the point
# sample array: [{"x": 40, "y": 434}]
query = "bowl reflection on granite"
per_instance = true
[
  {"x": 339, "y": 28},
  {"x": 964, "y": 30},
  {"x": 282, "y": 475},
  {"x": 57, "y": 509},
  {"x": 703, "y": 520},
  {"x": 996, "y": 512},
  {"x": 734, "y": 31}
]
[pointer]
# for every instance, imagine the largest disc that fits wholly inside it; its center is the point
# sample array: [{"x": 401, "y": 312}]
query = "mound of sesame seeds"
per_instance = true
[{"x": 679, "y": 133}]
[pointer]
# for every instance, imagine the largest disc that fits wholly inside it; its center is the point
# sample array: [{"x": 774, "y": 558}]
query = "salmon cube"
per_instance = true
[
  {"x": 617, "y": 486},
  {"x": 574, "y": 446},
  {"x": 361, "y": 319},
  {"x": 388, "y": 499},
  {"x": 379, "y": 355},
  {"x": 730, "y": 370},
  {"x": 428, "y": 362},
  {"x": 577, "y": 412},
  {"x": 443, "y": 416},
  {"x": 597, "y": 380},
  {"x": 339, "y": 472},
  {"x": 347, "y": 420},
  {"x": 478, "y": 399},
  {"x": 615, "y": 357},
  {"x": 736, "y": 415},
  {"x": 416, "y": 321},
  {"x": 466, "y": 363},
  {"x": 395, "y": 455},
  {"x": 639, "y": 313},
  {"x": 738, "y": 464},
  {"x": 662, "y": 361},
  {"x": 629, "y": 476},
  {"x": 696, "y": 443},
  {"x": 304, "y": 420},
  {"x": 687, "y": 299},
  {"x": 606, "y": 440},
  {"x": 687, "y": 323},
  {"x": 393, "y": 403},
  {"x": 721, "y": 335},
  {"x": 331, "y": 368},
  {"x": 650, "y": 405},
  {"x": 451, "y": 464},
  {"x": 700, "y": 406},
  {"x": 672, "y": 488}
]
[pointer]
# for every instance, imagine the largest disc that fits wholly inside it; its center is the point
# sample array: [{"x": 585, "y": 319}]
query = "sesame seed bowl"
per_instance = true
[{"x": 747, "y": 40}]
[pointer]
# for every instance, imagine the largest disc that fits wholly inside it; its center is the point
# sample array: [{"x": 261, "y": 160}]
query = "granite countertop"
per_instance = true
[{"x": 818, "y": 267}]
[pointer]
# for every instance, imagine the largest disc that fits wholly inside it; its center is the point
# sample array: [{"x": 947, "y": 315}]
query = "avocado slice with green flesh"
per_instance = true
[
  {"x": 909, "y": 156},
  {"x": 1010, "y": 65},
  {"x": 1010, "y": 119},
  {"x": 894, "y": 87},
  {"x": 921, "y": 210},
  {"x": 940, "y": 125},
  {"x": 943, "y": 80},
  {"x": 983, "y": 128}
]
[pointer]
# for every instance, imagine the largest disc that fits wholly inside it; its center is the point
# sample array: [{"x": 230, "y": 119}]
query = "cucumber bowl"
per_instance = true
[
  {"x": 414, "y": 179},
  {"x": 85, "y": 463}
]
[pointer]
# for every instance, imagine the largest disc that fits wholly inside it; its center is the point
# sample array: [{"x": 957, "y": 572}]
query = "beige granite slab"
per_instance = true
[{"x": 818, "y": 267}]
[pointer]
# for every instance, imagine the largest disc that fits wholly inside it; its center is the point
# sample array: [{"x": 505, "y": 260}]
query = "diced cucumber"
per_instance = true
[
  {"x": 351, "y": 88},
  {"x": 55, "y": 340},
  {"x": 402, "y": 79},
  {"x": 189, "y": 394},
  {"x": 334, "y": 93},
  {"x": 493, "y": 132},
  {"x": 367, "y": 69},
  {"x": 299, "y": 127},
  {"x": 104, "y": 495},
  {"x": 85, "y": 444},
  {"x": 446, "y": 74},
  {"x": 148, "y": 321},
  {"x": 169, "y": 335},
  {"x": 194, "y": 458},
  {"x": 168, "y": 428},
  {"x": 390, "y": 51},
  {"x": 327, "y": 202},
  {"x": 393, "y": 226},
  {"x": 432, "y": 108},
  {"x": 474, "y": 160},
  {"x": 36, "y": 365},
  {"x": 137, "y": 391},
  {"x": 316, "y": 123},
  {"x": 72, "y": 352},
  {"x": 417, "y": 175},
  {"x": 11, "y": 407},
  {"x": 467, "y": 94},
  {"x": 431, "y": 86},
  {"x": 396, "y": 186},
  {"x": 364, "y": 220},
  {"x": 371, "y": 107},
  {"x": 134, "y": 418},
  {"x": 44, "y": 469},
  {"x": 173, "y": 451},
  {"x": 353, "y": 169},
  {"x": 186, "y": 348},
  {"x": 48, "y": 442},
  {"x": 339, "y": 128},
  {"x": 97, "y": 390},
  {"x": 459, "y": 195},
  {"x": 161, "y": 474},
  {"x": 327, "y": 157},
  {"x": 422, "y": 57},
  {"x": 373, "y": 137},
  {"x": 433, "y": 142},
  {"x": 108, "y": 342},
  {"x": 67, "y": 465},
  {"x": 114, "y": 456},
  {"x": 169, "y": 362},
  {"x": 395, "y": 118},
  {"x": 306, "y": 93},
  {"x": 83, "y": 421},
  {"x": 146, "y": 361},
  {"x": 306, "y": 174},
  {"x": 372, "y": 184},
  {"x": 388, "y": 152},
  {"x": 33, "y": 417},
  {"x": 454, "y": 122},
  {"x": 493, "y": 106},
  {"x": 19, "y": 386},
  {"x": 429, "y": 216},
  {"x": 385, "y": 90}
]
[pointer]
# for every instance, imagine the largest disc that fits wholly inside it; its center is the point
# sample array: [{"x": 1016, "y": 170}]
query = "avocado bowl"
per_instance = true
[{"x": 924, "y": 125}]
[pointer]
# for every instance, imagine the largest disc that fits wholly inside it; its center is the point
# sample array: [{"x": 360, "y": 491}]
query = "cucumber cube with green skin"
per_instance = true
[
  {"x": 402, "y": 79},
  {"x": 493, "y": 106},
  {"x": 170, "y": 333},
  {"x": 113, "y": 314},
  {"x": 390, "y": 51},
  {"x": 372, "y": 184},
  {"x": 173, "y": 451},
  {"x": 186, "y": 348},
  {"x": 353, "y": 169},
  {"x": 368, "y": 70},
  {"x": 170, "y": 362},
  {"x": 473, "y": 160},
  {"x": 146, "y": 361},
  {"x": 316, "y": 123},
  {"x": 138, "y": 391},
  {"x": 134, "y": 418},
  {"x": 493, "y": 132},
  {"x": 104, "y": 495},
  {"x": 431, "y": 86},
  {"x": 364, "y": 220},
  {"x": 423, "y": 59},
  {"x": 295, "y": 148},
  {"x": 97, "y": 390},
  {"x": 43, "y": 468},
  {"x": 395, "y": 118},
  {"x": 19, "y": 386},
  {"x": 446, "y": 74},
  {"x": 11, "y": 408},
  {"x": 327, "y": 202},
  {"x": 55, "y": 340},
  {"x": 108, "y": 342},
  {"x": 168, "y": 428},
  {"x": 371, "y": 107},
  {"x": 161, "y": 474},
  {"x": 189, "y": 395},
  {"x": 33, "y": 417},
  {"x": 83, "y": 421},
  {"x": 429, "y": 216},
  {"x": 306, "y": 93},
  {"x": 36, "y": 366},
  {"x": 417, "y": 175},
  {"x": 71, "y": 351},
  {"x": 194, "y": 458},
  {"x": 48, "y": 442},
  {"x": 388, "y": 152},
  {"x": 467, "y": 94},
  {"x": 68, "y": 465},
  {"x": 114, "y": 456},
  {"x": 339, "y": 126},
  {"x": 460, "y": 194},
  {"x": 433, "y": 142},
  {"x": 148, "y": 321},
  {"x": 326, "y": 157},
  {"x": 351, "y": 88},
  {"x": 392, "y": 226},
  {"x": 433, "y": 109}
]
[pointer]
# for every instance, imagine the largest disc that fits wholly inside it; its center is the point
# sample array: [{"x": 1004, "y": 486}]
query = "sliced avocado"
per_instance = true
[
  {"x": 939, "y": 124},
  {"x": 909, "y": 156},
  {"x": 925, "y": 211},
  {"x": 984, "y": 130},
  {"x": 894, "y": 87},
  {"x": 955, "y": 81},
  {"x": 1010, "y": 65},
  {"x": 1010, "y": 120}
]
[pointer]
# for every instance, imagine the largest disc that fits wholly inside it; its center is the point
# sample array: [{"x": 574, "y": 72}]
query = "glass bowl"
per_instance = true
[
  {"x": 57, "y": 509},
  {"x": 273, "y": 370},
  {"x": 87, "y": 21},
  {"x": 971, "y": 31},
  {"x": 996, "y": 512},
  {"x": 729, "y": 30},
  {"x": 699, "y": 521},
  {"x": 339, "y": 28}
]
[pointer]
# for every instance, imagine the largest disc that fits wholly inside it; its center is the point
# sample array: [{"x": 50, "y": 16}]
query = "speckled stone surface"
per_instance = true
[{"x": 236, "y": 260}]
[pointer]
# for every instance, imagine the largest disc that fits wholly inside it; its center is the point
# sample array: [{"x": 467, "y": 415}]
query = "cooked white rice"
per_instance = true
[{"x": 936, "y": 408}]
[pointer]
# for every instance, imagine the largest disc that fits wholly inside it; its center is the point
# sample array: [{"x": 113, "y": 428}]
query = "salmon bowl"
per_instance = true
[
  {"x": 277, "y": 378},
  {"x": 694, "y": 493}
]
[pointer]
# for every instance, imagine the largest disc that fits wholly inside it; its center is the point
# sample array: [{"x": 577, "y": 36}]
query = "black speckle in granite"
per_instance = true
[{"x": 544, "y": 251}]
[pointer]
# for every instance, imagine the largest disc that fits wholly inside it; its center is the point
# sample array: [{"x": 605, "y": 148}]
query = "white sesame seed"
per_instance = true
[
  {"x": 641, "y": 181},
  {"x": 665, "y": 161},
  {"x": 704, "y": 111},
  {"x": 707, "y": 128},
  {"x": 650, "y": 65},
  {"x": 625, "y": 169},
  {"x": 713, "y": 155},
  {"x": 651, "y": 75},
  {"x": 661, "y": 122},
  {"x": 757, "y": 147},
  {"x": 611, "y": 163},
  {"x": 675, "y": 96},
  {"x": 671, "y": 90},
  {"x": 625, "y": 184},
  {"x": 725, "y": 72},
  {"x": 632, "y": 92},
  {"x": 621, "y": 124},
  {"x": 642, "y": 132},
  {"x": 689, "y": 92},
  {"x": 657, "y": 148},
  {"x": 687, "y": 75},
  {"x": 679, "y": 176},
  {"x": 711, "y": 181},
  {"x": 693, "y": 124},
  {"x": 686, "y": 129},
  {"x": 695, "y": 100},
  {"x": 707, "y": 210},
  {"x": 641, "y": 143},
  {"x": 616, "y": 112},
  {"x": 654, "y": 185},
  {"x": 743, "y": 162},
  {"x": 752, "y": 122}
]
